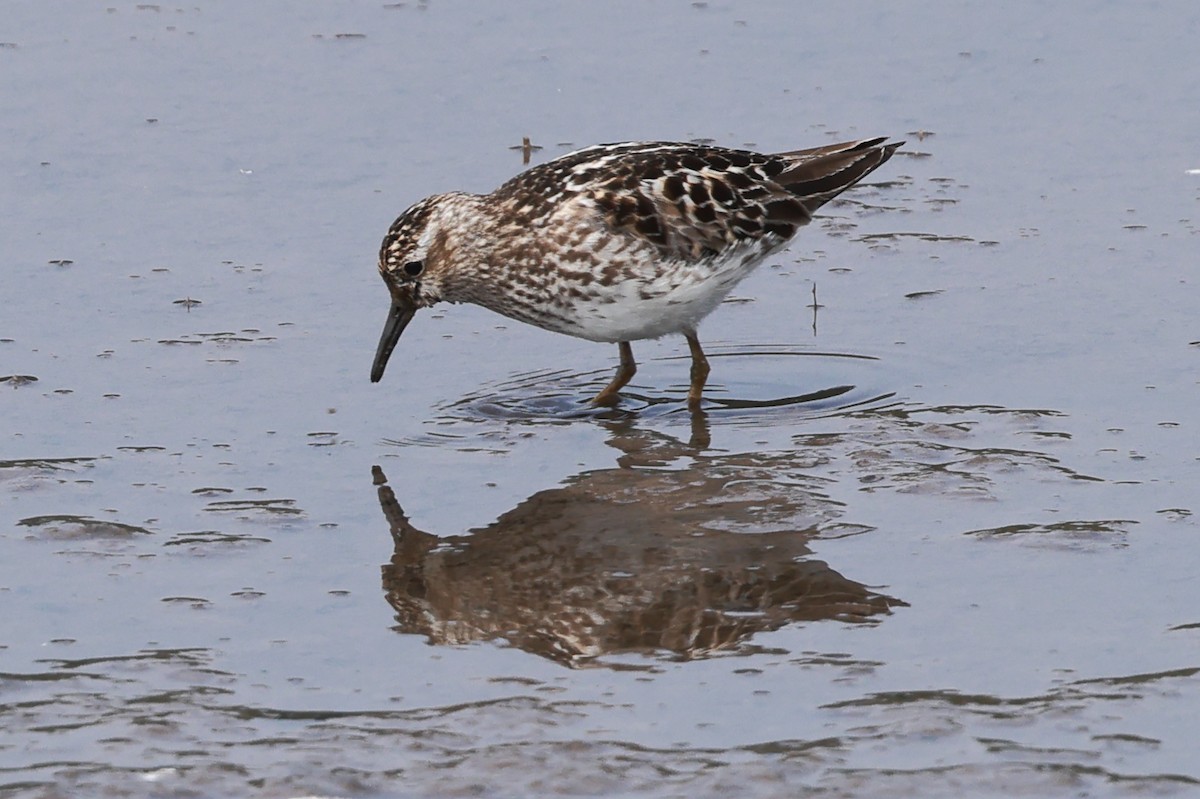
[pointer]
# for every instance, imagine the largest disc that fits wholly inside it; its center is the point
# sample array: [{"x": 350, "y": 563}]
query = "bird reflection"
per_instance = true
[{"x": 676, "y": 550}]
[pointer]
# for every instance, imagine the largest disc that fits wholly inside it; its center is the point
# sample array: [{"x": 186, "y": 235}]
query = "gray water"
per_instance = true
[{"x": 933, "y": 537}]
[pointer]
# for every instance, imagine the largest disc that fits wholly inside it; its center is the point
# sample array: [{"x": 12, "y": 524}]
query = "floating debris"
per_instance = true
[
  {"x": 214, "y": 537},
  {"x": 527, "y": 148},
  {"x": 194, "y": 601},
  {"x": 922, "y": 236},
  {"x": 283, "y": 507},
  {"x": 71, "y": 526},
  {"x": 45, "y": 463},
  {"x": 1064, "y": 534}
]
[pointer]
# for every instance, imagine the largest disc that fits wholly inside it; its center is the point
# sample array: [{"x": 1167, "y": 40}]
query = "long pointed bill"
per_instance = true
[{"x": 398, "y": 318}]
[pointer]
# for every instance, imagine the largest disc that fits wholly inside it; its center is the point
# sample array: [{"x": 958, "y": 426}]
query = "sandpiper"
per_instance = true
[{"x": 614, "y": 243}]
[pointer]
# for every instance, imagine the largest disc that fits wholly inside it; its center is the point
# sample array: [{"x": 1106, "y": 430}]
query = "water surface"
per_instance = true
[{"x": 932, "y": 535}]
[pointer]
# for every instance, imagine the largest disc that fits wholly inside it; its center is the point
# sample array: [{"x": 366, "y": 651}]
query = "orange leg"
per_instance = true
[
  {"x": 699, "y": 371},
  {"x": 625, "y": 373}
]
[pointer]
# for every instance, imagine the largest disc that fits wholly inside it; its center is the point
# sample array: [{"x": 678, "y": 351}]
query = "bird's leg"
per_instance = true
[
  {"x": 699, "y": 370},
  {"x": 625, "y": 373}
]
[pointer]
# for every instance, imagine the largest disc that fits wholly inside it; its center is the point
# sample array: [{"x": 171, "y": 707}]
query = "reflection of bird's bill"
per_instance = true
[
  {"x": 398, "y": 318},
  {"x": 387, "y": 500}
]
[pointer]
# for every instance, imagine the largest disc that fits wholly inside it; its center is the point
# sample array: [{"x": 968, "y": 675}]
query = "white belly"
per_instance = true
[{"x": 670, "y": 298}]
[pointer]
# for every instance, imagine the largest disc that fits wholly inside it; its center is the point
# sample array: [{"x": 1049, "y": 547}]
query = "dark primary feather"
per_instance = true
[{"x": 819, "y": 174}]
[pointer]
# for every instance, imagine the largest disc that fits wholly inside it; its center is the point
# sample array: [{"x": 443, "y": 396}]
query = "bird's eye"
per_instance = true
[{"x": 414, "y": 268}]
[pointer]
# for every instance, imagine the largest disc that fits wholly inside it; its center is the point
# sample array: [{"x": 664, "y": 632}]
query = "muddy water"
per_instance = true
[{"x": 933, "y": 533}]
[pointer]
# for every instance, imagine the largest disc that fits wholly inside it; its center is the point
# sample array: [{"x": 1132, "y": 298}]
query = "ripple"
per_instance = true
[{"x": 747, "y": 381}]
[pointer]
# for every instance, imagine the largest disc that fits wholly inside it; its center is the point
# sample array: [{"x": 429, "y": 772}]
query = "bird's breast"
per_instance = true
[{"x": 616, "y": 292}]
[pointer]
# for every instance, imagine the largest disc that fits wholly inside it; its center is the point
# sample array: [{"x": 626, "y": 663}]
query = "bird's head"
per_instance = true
[{"x": 409, "y": 261}]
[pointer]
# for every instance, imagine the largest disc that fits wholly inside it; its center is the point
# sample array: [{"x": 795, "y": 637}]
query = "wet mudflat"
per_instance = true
[{"x": 933, "y": 534}]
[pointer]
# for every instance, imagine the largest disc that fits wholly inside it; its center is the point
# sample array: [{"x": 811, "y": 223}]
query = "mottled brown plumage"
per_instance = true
[{"x": 616, "y": 242}]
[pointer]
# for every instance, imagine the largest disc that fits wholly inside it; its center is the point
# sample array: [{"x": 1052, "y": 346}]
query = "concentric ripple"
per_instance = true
[{"x": 746, "y": 380}]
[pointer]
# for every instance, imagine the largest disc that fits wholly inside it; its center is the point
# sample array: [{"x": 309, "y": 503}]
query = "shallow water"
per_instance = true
[{"x": 933, "y": 533}]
